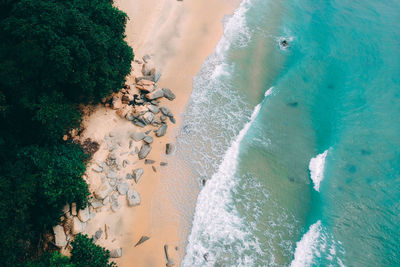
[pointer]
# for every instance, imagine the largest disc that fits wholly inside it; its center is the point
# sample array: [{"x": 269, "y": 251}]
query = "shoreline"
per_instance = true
[{"x": 178, "y": 36}]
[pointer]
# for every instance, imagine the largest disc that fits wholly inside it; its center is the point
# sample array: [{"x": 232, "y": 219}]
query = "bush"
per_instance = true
[
  {"x": 54, "y": 259},
  {"x": 86, "y": 253}
]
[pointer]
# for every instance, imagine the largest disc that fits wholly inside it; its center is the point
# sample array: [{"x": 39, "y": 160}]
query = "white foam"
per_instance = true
[
  {"x": 215, "y": 223},
  {"x": 307, "y": 247},
  {"x": 317, "y": 167}
]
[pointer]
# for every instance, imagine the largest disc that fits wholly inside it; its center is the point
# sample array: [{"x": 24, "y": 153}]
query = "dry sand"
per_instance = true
[{"x": 179, "y": 36}]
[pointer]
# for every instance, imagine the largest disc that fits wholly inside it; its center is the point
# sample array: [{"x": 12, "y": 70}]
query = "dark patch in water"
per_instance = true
[
  {"x": 291, "y": 179},
  {"x": 293, "y": 104},
  {"x": 351, "y": 168},
  {"x": 365, "y": 152},
  {"x": 331, "y": 86},
  {"x": 349, "y": 180}
]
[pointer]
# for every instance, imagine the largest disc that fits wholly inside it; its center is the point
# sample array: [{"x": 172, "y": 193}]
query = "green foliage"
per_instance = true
[
  {"x": 54, "y": 55},
  {"x": 54, "y": 259},
  {"x": 86, "y": 253}
]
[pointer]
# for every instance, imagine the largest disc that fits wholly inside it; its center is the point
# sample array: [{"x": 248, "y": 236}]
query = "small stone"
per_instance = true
[
  {"x": 106, "y": 200},
  {"x": 154, "y": 169},
  {"x": 115, "y": 205},
  {"x": 142, "y": 240},
  {"x": 168, "y": 94},
  {"x": 124, "y": 163},
  {"x": 154, "y": 109},
  {"x": 146, "y": 58},
  {"x": 166, "y": 112},
  {"x": 102, "y": 191},
  {"x": 148, "y": 117},
  {"x": 116, "y": 253},
  {"x": 169, "y": 149},
  {"x": 97, "y": 168},
  {"x": 123, "y": 188},
  {"x": 137, "y": 174},
  {"x": 73, "y": 209},
  {"x": 161, "y": 131},
  {"x": 148, "y": 139},
  {"x": 97, "y": 204},
  {"x": 149, "y": 161},
  {"x": 144, "y": 151},
  {"x": 163, "y": 163},
  {"x": 133, "y": 197},
  {"x": 163, "y": 118},
  {"x": 129, "y": 176},
  {"x": 98, "y": 234},
  {"x": 111, "y": 174}
]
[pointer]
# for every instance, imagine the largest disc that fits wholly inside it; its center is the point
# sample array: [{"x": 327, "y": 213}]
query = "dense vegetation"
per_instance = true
[
  {"x": 54, "y": 55},
  {"x": 84, "y": 253}
]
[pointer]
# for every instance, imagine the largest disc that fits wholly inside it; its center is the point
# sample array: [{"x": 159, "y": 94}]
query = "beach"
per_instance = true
[{"x": 178, "y": 36}]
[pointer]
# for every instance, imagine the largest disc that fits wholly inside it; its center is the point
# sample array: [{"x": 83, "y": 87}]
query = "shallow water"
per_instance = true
[{"x": 273, "y": 197}]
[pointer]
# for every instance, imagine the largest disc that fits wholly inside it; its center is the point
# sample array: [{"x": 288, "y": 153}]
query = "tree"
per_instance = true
[{"x": 86, "y": 253}]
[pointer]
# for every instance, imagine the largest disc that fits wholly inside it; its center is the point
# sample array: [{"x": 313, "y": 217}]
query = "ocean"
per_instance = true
[{"x": 292, "y": 135}]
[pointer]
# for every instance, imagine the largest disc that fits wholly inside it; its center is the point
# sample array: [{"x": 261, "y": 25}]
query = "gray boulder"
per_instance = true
[
  {"x": 116, "y": 253},
  {"x": 156, "y": 76},
  {"x": 133, "y": 197},
  {"x": 84, "y": 214},
  {"x": 137, "y": 136},
  {"x": 168, "y": 94},
  {"x": 166, "y": 112},
  {"x": 98, "y": 234},
  {"x": 137, "y": 174},
  {"x": 148, "y": 139},
  {"x": 97, "y": 204},
  {"x": 144, "y": 151},
  {"x": 161, "y": 131},
  {"x": 146, "y": 58},
  {"x": 123, "y": 188},
  {"x": 155, "y": 94},
  {"x": 115, "y": 205},
  {"x": 78, "y": 226},
  {"x": 148, "y": 117},
  {"x": 154, "y": 109},
  {"x": 149, "y": 161}
]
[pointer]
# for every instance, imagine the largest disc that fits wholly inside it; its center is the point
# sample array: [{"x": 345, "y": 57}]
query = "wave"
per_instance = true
[
  {"x": 317, "y": 247},
  {"x": 217, "y": 226},
  {"x": 317, "y": 167}
]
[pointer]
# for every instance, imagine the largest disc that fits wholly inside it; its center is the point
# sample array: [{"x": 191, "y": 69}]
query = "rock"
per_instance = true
[
  {"x": 106, "y": 200},
  {"x": 154, "y": 169},
  {"x": 166, "y": 112},
  {"x": 133, "y": 197},
  {"x": 124, "y": 163},
  {"x": 149, "y": 161},
  {"x": 116, "y": 103},
  {"x": 142, "y": 240},
  {"x": 145, "y": 88},
  {"x": 97, "y": 168},
  {"x": 137, "y": 136},
  {"x": 156, "y": 76},
  {"x": 129, "y": 176},
  {"x": 115, "y": 205},
  {"x": 116, "y": 253},
  {"x": 169, "y": 261},
  {"x": 65, "y": 209},
  {"x": 103, "y": 190},
  {"x": 73, "y": 209},
  {"x": 84, "y": 215},
  {"x": 137, "y": 174},
  {"x": 111, "y": 174},
  {"x": 161, "y": 131},
  {"x": 144, "y": 151},
  {"x": 138, "y": 123},
  {"x": 97, "y": 204},
  {"x": 163, "y": 118},
  {"x": 59, "y": 236},
  {"x": 138, "y": 61},
  {"x": 123, "y": 188},
  {"x": 168, "y": 94},
  {"x": 154, "y": 109},
  {"x": 146, "y": 58},
  {"x": 148, "y": 77},
  {"x": 78, "y": 226},
  {"x": 130, "y": 116},
  {"x": 163, "y": 163},
  {"x": 155, "y": 94},
  {"x": 148, "y": 69},
  {"x": 148, "y": 117},
  {"x": 148, "y": 139},
  {"x": 156, "y": 122},
  {"x": 127, "y": 98},
  {"x": 172, "y": 119},
  {"x": 169, "y": 148},
  {"x": 98, "y": 234},
  {"x": 155, "y": 102}
]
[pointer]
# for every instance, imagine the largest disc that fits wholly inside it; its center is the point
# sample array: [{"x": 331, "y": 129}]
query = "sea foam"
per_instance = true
[
  {"x": 214, "y": 221},
  {"x": 317, "y": 167}
]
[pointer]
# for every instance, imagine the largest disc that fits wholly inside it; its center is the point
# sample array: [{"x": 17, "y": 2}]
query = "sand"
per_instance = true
[{"x": 179, "y": 36}]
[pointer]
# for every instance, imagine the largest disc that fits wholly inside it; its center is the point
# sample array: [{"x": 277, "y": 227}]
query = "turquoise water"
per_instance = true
[{"x": 260, "y": 112}]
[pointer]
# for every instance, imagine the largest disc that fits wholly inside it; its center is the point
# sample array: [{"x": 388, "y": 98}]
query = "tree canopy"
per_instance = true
[{"x": 54, "y": 55}]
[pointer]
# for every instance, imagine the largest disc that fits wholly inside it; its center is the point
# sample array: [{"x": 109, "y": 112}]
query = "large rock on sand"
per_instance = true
[
  {"x": 144, "y": 151},
  {"x": 84, "y": 215},
  {"x": 60, "y": 237},
  {"x": 78, "y": 226},
  {"x": 169, "y": 149},
  {"x": 133, "y": 197},
  {"x": 116, "y": 253},
  {"x": 137, "y": 136},
  {"x": 103, "y": 190},
  {"x": 116, "y": 103},
  {"x": 168, "y": 94},
  {"x": 155, "y": 94}
]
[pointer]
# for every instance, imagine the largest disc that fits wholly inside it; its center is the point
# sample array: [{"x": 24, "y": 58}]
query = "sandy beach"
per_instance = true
[{"x": 178, "y": 36}]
